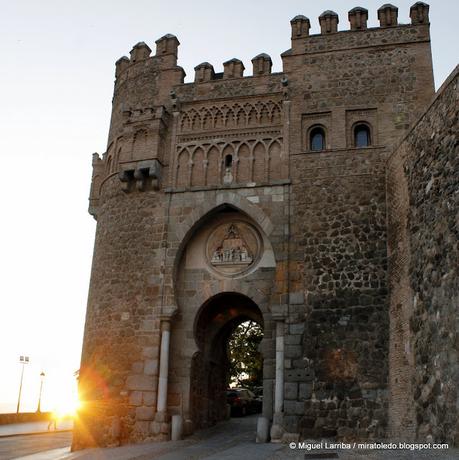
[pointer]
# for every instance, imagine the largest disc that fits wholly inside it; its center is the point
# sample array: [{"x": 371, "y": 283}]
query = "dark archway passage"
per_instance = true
[{"x": 215, "y": 322}]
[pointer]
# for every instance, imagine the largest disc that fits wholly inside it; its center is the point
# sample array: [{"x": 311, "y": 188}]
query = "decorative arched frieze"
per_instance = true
[
  {"x": 183, "y": 168},
  {"x": 255, "y": 159},
  {"x": 274, "y": 160},
  {"x": 236, "y": 115}
]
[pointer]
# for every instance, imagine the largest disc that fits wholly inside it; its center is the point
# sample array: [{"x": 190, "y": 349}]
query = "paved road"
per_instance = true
[
  {"x": 231, "y": 440},
  {"x": 234, "y": 439},
  {"x": 19, "y": 446},
  {"x": 224, "y": 441}
]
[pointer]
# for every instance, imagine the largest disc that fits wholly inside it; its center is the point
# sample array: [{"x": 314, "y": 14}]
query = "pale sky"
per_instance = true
[{"x": 56, "y": 83}]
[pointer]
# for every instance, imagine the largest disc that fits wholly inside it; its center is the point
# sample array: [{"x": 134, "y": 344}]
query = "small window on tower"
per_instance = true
[
  {"x": 317, "y": 139},
  {"x": 362, "y": 136},
  {"x": 228, "y": 161}
]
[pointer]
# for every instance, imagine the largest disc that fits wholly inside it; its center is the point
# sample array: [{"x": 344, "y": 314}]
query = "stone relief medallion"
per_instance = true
[{"x": 233, "y": 248}]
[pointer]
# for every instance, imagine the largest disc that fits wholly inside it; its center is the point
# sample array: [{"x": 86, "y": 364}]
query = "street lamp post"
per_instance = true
[
  {"x": 42, "y": 377},
  {"x": 23, "y": 360}
]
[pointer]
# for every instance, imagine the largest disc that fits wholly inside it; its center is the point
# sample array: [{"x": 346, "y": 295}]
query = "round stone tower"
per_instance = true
[{"x": 119, "y": 367}]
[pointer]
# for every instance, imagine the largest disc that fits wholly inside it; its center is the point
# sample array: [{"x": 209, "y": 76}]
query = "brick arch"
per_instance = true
[
  {"x": 207, "y": 119},
  {"x": 264, "y": 114},
  {"x": 213, "y": 157},
  {"x": 183, "y": 168},
  {"x": 240, "y": 116},
  {"x": 275, "y": 160},
  {"x": 259, "y": 162},
  {"x": 119, "y": 152},
  {"x": 196, "y": 120},
  {"x": 197, "y": 169},
  {"x": 276, "y": 114},
  {"x": 187, "y": 228},
  {"x": 219, "y": 120},
  {"x": 214, "y": 321},
  {"x": 234, "y": 286},
  {"x": 244, "y": 166},
  {"x": 221, "y": 199},
  {"x": 185, "y": 122}
]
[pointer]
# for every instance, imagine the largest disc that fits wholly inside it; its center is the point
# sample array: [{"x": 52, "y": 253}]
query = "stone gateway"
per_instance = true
[{"x": 320, "y": 202}]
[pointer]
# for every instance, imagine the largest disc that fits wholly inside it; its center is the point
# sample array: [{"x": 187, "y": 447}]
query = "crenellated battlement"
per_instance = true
[
  {"x": 328, "y": 21},
  {"x": 358, "y": 18},
  {"x": 419, "y": 13},
  {"x": 388, "y": 15},
  {"x": 165, "y": 56},
  {"x": 302, "y": 41},
  {"x": 149, "y": 87},
  {"x": 234, "y": 68},
  {"x": 331, "y": 39},
  {"x": 262, "y": 64},
  {"x": 140, "y": 52}
]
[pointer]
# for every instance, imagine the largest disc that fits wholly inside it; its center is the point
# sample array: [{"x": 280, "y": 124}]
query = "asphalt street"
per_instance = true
[{"x": 13, "y": 447}]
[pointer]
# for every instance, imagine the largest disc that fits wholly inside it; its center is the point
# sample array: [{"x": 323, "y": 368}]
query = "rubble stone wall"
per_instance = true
[
  {"x": 338, "y": 344},
  {"x": 423, "y": 198}
]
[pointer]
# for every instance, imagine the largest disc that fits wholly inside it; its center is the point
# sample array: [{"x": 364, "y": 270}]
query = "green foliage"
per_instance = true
[{"x": 246, "y": 364}]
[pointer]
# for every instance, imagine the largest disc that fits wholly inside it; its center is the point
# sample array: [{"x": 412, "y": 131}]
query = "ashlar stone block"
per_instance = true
[
  {"x": 145, "y": 413},
  {"x": 135, "y": 398},
  {"x": 139, "y": 382},
  {"x": 150, "y": 367},
  {"x": 305, "y": 390},
  {"x": 290, "y": 390}
]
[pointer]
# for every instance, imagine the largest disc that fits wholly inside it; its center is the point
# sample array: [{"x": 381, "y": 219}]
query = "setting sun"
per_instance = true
[
  {"x": 62, "y": 397},
  {"x": 66, "y": 408}
]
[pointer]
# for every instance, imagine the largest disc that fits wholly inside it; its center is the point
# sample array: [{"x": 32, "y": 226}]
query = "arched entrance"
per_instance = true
[
  {"x": 209, "y": 377},
  {"x": 224, "y": 275}
]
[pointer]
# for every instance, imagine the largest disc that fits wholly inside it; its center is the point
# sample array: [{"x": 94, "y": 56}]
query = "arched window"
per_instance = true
[
  {"x": 317, "y": 139},
  {"x": 362, "y": 136},
  {"x": 228, "y": 172}
]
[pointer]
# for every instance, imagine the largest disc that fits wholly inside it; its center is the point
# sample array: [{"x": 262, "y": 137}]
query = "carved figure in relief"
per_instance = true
[{"x": 233, "y": 249}]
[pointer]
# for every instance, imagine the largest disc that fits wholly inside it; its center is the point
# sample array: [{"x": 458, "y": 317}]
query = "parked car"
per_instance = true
[
  {"x": 242, "y": 401},
  {"x": 258, "y": 392}
]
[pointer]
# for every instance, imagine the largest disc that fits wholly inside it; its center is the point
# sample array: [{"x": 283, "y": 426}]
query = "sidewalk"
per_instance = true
[{"x": 17, "y": 429}]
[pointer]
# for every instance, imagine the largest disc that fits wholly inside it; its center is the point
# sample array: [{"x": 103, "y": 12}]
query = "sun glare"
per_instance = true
[
  {"x": 64, "y": 401},
  {"x": 67, "y": 408}
]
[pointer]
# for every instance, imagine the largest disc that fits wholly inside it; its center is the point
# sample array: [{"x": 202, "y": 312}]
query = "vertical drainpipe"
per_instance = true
[
  {"x": 281, "y": 315},
  {"x": 166, "y": 312}
]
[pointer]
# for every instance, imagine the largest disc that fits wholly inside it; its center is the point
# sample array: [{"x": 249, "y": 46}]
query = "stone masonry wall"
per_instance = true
[
  {"x": 338, "y": 342},
  {"x": 422, "y": 182},
  {"x": 118, "y": 377},
  {"x": 339, "y": 223}
]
